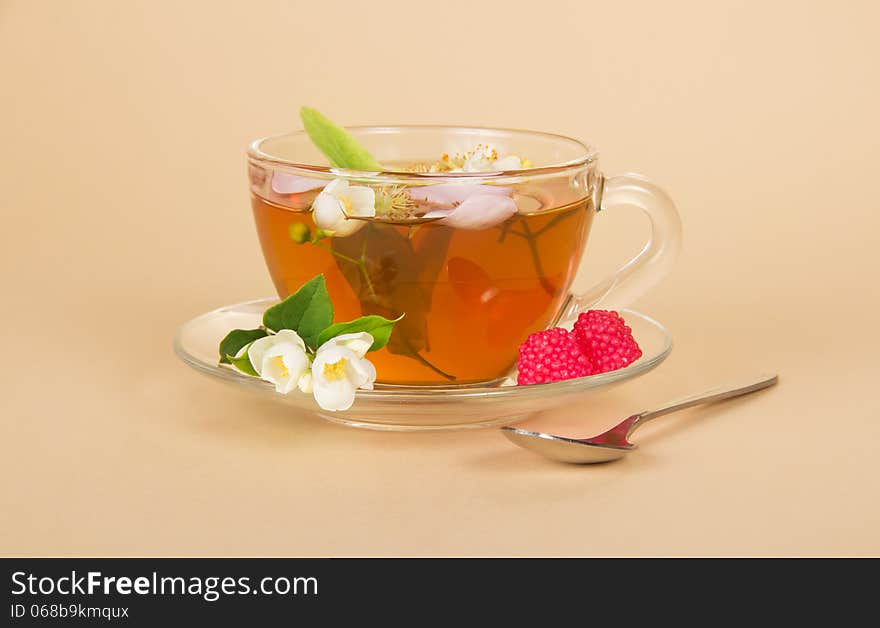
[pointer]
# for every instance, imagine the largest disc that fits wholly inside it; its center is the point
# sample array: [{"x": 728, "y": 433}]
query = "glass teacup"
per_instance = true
[{"x": 474, "y": 235}]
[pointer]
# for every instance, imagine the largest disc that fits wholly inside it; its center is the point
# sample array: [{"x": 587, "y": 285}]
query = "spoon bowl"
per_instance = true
[{"x": 577, "y": 451}]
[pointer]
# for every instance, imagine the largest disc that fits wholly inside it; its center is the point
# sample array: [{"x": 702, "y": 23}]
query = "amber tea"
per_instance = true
[{"x": 469, "y": 296}]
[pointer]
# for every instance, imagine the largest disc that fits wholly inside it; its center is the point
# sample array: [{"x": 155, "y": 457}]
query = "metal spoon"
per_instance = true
[{"x": 614, "y": 443}]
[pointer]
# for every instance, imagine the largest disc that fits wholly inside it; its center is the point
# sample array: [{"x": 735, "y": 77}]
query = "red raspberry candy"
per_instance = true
[
  {"x": 550, "y": 356},
  {"x": 606, "y": 338}
]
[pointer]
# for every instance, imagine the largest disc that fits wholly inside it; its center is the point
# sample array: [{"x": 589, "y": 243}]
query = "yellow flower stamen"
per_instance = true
[
  {"x": 279, "y": 362},
  {"x": 395, "y": 202},
  {"x": 336, "y": 370},
  {"x": 346, "y": 204}
]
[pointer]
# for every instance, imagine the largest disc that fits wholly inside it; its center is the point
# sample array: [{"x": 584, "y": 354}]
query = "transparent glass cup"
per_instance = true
[{"x": 474, "y": 261}]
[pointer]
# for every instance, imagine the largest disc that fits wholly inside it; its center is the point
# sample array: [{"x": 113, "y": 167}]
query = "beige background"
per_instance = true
[{"x": 125, "y": 213}]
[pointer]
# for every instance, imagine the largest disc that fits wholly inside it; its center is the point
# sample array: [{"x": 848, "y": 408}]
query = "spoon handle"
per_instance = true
[{"x": 715, "y": 394}]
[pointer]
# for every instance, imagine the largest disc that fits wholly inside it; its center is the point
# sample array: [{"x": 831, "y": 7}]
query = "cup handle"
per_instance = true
[{"x": 651, "y": 264}]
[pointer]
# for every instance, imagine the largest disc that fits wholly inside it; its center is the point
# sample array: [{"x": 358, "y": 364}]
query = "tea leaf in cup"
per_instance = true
[
  {"x": 235, "y": 340},
  {"x": 336, "y": 143},
  {"x": 308, "y": 311},
  {"x": 378, "y": 327}
]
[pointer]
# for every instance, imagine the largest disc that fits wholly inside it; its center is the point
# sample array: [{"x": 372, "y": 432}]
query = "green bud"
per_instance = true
[{"x": 299, "y": 232}]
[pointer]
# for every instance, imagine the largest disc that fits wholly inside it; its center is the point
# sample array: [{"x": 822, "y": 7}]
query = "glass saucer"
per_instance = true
[{"x": 391, "y": 407}]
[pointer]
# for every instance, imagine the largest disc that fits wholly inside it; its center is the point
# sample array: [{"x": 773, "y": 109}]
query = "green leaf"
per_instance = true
[
  {"x": 243, "y": 363},
  {"x": 336, "y": 143},
  {"x": 377, "y": 326},
  {"x": 308, "y": 311},
  {"x": 236, "y": 339}
]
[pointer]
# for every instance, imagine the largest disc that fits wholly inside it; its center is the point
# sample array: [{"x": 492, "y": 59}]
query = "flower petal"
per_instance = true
[
  {"x": 363, "y": 201},
  {"x": 327, "y": 211},
  {"x": 296, "y": 361},
  {"x": 277, "y": 373},
  {"x": 336, "y": 187},
  {"x": 359, "y": 343},
  {"x": 334, "y": 396},
  {"x": 454, "y": 193},
  {"x": 511, "y": 162},
  {"x": 477, "y": 163},
  {"x": 346, "y": 227},
  {"x": 330, "y": 353},
  {"x": 286, "y": 183},
  {"x": 477, "y": 212},
  {"x": 363, "y": 373}
]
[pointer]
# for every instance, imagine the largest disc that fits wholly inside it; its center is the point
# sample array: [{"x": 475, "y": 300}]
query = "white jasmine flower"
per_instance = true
[
  {"x": 477, "y": 160},
  {"x": 338, "y": 202},
  {"x": 483, "y": 158},
  {"x": 340, "y": 369},
  {"x": 281, "y": 359}
]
